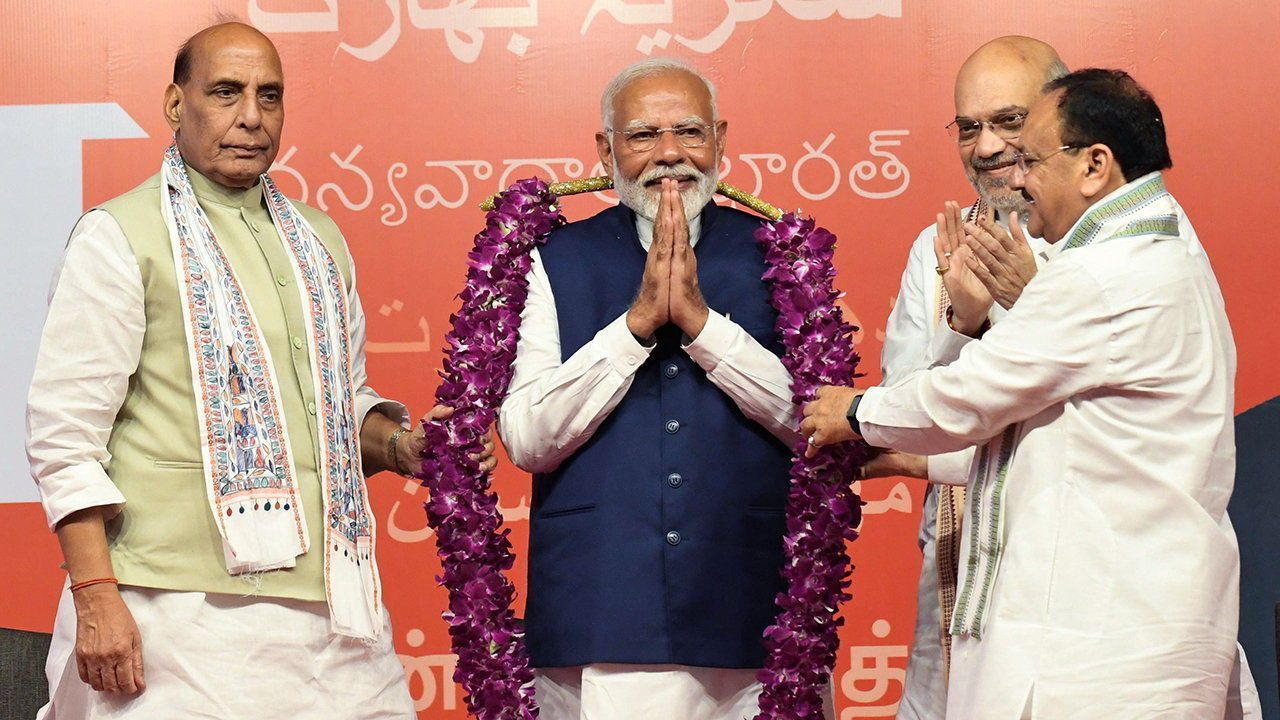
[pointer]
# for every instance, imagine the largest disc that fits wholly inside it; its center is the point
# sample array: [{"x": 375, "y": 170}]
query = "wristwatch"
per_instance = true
[{"x": 852, "y": 415}]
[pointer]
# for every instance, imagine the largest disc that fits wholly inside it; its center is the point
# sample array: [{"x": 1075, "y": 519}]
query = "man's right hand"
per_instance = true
[
  {"x": 891, "y": 463},
  {"x": 970, "y": 300},
  {"x": 651, "y": 308},
  {"x": 108, "y": 645}
]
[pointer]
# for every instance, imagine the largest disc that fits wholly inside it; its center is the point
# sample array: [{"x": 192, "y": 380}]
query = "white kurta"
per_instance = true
[
  {"x": 221, "y": 656},
  {"x": 553, "y": 407},
  {"x": 1118, "y": 586},
  {"x": 912, "y": 344}
]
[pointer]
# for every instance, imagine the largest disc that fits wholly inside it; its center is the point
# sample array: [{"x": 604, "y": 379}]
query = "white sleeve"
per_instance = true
[
  {"x": 1053, "y": 344},
  {"x": 906, "y": 337},
  {"x": 749, "y": 374},
  {"x": 83, "y": 368},
  {"x": 945, "y": 345},
  {"x": 366, "y": 398},
  {"x": 553, "y": 407},
  {"x": 909, "y": 342},
  {"x": 950, "y": 468}
]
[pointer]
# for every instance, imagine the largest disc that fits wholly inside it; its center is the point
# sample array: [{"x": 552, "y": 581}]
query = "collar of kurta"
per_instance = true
[
  {"x": 209, "y": 191},
  {"x": 1133, "y": 209}
]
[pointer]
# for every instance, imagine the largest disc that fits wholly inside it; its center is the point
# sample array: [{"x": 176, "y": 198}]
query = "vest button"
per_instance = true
[
  {"x": 282, "y": 280},
  {"x": 673, "y": 538},
  {"x": 675, "y": 480},
  {"x": 673, "y": 427},
  {"x": 672, "y": 370},
  {"x": 297, "y": 343},
  {"x": 311, "y": 408}
]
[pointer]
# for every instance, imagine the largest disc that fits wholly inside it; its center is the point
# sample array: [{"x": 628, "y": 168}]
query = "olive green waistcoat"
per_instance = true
[{"x": 166, "y": 537}]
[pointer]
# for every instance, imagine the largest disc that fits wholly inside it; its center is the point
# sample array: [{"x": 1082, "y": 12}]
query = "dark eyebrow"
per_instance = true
[
  {"x": 277, "y": 87},
  {"x": 227, "y": 82}
]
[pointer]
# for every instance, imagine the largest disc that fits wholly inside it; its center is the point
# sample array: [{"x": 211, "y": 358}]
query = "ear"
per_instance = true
[
  {"x": 173, "y": 106},
  {"x": 605, "y": 151},
  {"x": 722, "y": 131},
  {"x": 1099, "y": 171}
]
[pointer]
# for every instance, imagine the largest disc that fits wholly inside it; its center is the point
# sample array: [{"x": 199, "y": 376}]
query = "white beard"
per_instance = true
[{"x": 644, "y": 201}]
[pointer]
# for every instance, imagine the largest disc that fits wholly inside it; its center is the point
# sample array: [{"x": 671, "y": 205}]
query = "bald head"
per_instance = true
[
  {"x": 996, "y": 86},
  {"x": 215, "y": 36},
  {"x": 1010, "y": 55}
]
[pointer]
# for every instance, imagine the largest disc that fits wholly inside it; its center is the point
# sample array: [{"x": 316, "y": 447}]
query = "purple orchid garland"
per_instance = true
[
  {"x": 822, "y": 509},
  {"x": 474, "y": 549}
]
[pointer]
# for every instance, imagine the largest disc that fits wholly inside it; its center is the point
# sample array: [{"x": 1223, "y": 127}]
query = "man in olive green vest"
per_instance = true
[{"x": 199, "y": 425}]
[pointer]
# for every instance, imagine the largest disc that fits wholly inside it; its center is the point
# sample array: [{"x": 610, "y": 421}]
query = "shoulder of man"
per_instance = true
[
  {"x": 318, "y": 219},
  {"x": 144, "y": 197},
  {"x": 923, "y": 244},
  {"x": 330, "y": 235},
  {"x": 738, "y": 219},
  {"x": 609, "y": 220}
]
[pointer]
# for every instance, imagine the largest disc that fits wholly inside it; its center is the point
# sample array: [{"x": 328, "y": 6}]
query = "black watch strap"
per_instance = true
[{"x": 852, "y": 415}]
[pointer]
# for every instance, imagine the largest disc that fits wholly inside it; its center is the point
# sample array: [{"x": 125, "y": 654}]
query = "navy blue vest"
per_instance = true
[{"x": 660, "y": 539}]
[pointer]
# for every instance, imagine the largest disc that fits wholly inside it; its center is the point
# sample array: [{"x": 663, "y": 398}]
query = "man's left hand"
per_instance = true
[
  {"x": 1001, "y": 259},
  {"x": 411, "y": 446},
  {"x": 826, "y": 418},
  {"x": 688, "y": 308}
]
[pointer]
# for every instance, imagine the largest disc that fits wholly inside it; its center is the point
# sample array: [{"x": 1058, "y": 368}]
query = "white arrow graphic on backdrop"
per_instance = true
[{"x": 41, "y": 195}]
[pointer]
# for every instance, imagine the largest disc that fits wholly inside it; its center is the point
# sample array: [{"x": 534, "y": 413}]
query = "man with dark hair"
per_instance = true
[
  {"x": 201, "y": 446},
  {"x": 1099, "y": 571},
  {"x": 1109, "y": 107}
]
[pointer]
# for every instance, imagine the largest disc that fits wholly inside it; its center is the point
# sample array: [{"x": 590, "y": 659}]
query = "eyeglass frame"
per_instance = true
[
  {"x": 1024, "y": 167},
  {"x": 627, "y": 133},
  {"x": 1021, "y": 115}
]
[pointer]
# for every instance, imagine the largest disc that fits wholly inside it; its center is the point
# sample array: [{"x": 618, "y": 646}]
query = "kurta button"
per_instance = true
[
  {"x": 673, "y": 538},
  {"x": 297, "y": 343},
  {"x": 673, "y": 427},
  {"x": 672, "y": 370},
  {"x": 631, "y": 361},
  {"x": 675, "y": 480},
  {"x": 311, "y": 408},
  {"x": 282, "y": 280}
]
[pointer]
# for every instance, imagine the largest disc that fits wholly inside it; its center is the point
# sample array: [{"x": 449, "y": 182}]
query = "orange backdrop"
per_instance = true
[{"x": 404, "y": 114}]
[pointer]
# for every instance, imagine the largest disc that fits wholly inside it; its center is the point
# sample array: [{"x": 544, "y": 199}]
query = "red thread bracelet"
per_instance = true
[{"x": 95, "y": 581}]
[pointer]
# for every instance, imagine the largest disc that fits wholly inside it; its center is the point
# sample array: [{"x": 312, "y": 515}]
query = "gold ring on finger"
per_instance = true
[{"x": 942, "y": 270}]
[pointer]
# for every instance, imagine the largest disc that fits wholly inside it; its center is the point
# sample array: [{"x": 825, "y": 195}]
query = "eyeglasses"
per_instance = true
[
  {"x": 1025, "y": 162},
  {"x": 644, "y": 139},
  {"x": 1007, "y": 127}
]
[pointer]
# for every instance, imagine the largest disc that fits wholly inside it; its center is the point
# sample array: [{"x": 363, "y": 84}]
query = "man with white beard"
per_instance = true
[{"x": 651, "y": 406}]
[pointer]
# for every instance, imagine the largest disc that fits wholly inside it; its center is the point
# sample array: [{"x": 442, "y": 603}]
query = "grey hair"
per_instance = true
[
  {"x": 647, "y": 68},
  {"x": 1056, "y": 69}
]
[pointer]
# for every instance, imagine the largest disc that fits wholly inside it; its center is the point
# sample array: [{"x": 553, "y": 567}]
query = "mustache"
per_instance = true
[
  {"x": 991, "y": 163},
  {"x": 674, "y": 171}
]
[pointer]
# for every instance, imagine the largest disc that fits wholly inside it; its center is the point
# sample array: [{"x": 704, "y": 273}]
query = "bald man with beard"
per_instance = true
[
  {"x": 201, "y": 445},
  {"x": 995, "y": 88}
]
